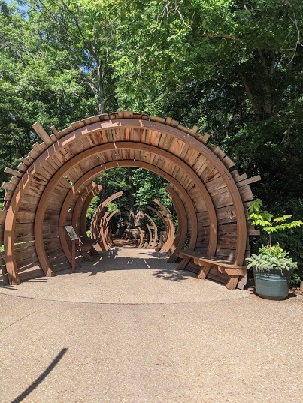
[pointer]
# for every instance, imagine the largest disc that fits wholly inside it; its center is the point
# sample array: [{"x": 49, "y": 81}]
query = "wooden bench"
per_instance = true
[{"x": 224, "y": 266}]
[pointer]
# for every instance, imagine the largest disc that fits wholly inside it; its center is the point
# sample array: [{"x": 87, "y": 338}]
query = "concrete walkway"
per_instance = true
[{"x": 129, "y": 328}]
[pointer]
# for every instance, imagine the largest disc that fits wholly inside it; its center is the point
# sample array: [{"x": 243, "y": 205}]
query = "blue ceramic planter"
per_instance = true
[{"x": 272, "y": 284}]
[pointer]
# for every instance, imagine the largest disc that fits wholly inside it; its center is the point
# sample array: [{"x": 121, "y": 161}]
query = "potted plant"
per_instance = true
[{"x": 272, "y": 265}]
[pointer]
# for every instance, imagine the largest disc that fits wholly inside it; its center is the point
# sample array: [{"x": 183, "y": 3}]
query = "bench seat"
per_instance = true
[{"x": 224, "y": 266}]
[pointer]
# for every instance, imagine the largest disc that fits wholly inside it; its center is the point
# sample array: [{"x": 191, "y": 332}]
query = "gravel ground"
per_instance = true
[{"x": 129, "y": 328}]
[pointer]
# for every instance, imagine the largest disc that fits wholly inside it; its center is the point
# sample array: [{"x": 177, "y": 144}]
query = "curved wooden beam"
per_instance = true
[
  {"x": 84, "y": 129},
  {"x": 158, "y": 213},
  {"x": 104, "y": 229},
  {"x": 180, "y": 238},
  {"x": 83, "y": 200},
  {"x": 24, "y": 183},
  {"x": 153, "y": 238},
  {"x": 88, "y": 177},
  {"x": 168, "y": 245},
  {"x": 141, "y": 238},
  {"x": 96, "y": 218}
]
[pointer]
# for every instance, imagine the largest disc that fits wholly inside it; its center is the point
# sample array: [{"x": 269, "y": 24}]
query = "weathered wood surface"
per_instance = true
[
  {"x": 153, "y": 232},
  {"x": 181, "y": 235},
  {"x": 95, "y": 224},
  {"x": 212, "y": 196},
  {"x": 106, "y": 241},
  {"x": 168, "y": 246},
  {"x": 81, "y": 206},
  {"x": 233, "y": 271}
]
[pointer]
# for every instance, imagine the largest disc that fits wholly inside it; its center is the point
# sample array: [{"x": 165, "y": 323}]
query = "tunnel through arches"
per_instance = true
[{"x": 57, "y": 171}]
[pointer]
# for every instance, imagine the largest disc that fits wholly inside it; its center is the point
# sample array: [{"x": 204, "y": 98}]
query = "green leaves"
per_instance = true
[
  {"x": 270, "y": 257},
  {"x": 267, "y": 222}
]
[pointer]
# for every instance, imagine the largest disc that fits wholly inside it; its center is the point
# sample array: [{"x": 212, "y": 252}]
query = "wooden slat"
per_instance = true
[
  {"x": 249, "y": 181},
  {"x": 8, "y": 186},
  {"x": 42, "y": 133},
  {"x": 13, "y": 172}
]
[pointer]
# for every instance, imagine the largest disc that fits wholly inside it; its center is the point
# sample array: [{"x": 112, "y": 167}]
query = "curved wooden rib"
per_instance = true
[
  {"x": 136, "y": 125},
  {"x": 83, "y": 200},
  {"x": 158, "y": 213},
  {"x": 180, "y": 238},
  {"x": 87, "y": 177},
  {"x": 107, "y": 234},
  {"x": 98, "y": 214},
  {"x": 168, "y": 245},
  {"x": 150, "y": 235},
  {"x": 153, "y": 238},
  {"x": 141, "y": 238},
  {"x": 104, "y": 229},
  {"x": 82, "y": 222}
]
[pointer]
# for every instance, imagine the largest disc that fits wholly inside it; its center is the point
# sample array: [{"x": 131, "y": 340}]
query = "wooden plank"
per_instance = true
[
  {"x": 157, "y": 119},
  {"x": 25, "y": 216},
  {"x": 222, "y": 199},
  {"x": 246, "y": 193},
  {"x": 55, "y": 131},
  {"x": 8, "y": 186},
  {"x": 12, "y": 172},
  {"x": 229, "y": 163},
  {"x": 249, "y": 181},
  {"x": 42, "y": 133}
]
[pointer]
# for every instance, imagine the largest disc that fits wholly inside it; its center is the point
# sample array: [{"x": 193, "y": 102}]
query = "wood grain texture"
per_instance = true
[{"x": 178, "y": 153}]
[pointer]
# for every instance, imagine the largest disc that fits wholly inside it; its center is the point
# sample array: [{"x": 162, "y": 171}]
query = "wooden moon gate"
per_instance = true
[
  {"x": 164, "y": 215},
  {"x": 81, "y": 206},
  {"x": 160, "y": 242},
  {"x": 180, "y": 238},
  {"x": 141, "y": 238},
  {"x": 214, "y": 195},
  {"x": 168, "y": 246},
  {"x": 153, "y": 235},
  {"x": 104, "y": 230},
  {"x": 95, "y": 225}
]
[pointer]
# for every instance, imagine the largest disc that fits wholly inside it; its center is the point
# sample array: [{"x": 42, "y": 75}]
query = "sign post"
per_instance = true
[{"x": 73, "y": 237}]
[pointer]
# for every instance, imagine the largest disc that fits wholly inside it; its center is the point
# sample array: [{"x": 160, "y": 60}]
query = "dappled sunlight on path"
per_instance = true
[{"x": 128, "y": 276}]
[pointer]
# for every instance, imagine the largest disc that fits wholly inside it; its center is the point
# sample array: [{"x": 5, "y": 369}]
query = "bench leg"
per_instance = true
[
  {"x": 172, "y": 258},
  {"x": 203, "y": 272},
  {"x": 182, "y": 265},
  {"x": 232, "y": 282}
]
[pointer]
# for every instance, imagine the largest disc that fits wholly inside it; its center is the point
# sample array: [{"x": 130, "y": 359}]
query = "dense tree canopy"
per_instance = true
[{"x": 234, "y": 67}]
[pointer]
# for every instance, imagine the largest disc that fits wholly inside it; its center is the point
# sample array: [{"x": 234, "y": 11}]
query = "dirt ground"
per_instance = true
[{"x": 128, "y": 327}]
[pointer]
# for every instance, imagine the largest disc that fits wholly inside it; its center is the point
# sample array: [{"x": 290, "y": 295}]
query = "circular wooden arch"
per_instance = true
[
  {"x": 48, "y": 179},
  {"x": 170, "y": 231},
  {"x": 95, "y": 224},
  {"x": 182, "y": 223},
  {"x": 153, "y": 232},
  {"x": 104, "y": 230}
]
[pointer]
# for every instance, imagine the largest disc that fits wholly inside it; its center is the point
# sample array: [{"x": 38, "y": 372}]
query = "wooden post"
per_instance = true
[
  {"x": 73, "y": 255},
  {"x": 73, "y": 238}
]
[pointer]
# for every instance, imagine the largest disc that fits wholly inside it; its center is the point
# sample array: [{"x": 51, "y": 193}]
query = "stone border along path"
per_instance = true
[{"x": 129, "y": 328}]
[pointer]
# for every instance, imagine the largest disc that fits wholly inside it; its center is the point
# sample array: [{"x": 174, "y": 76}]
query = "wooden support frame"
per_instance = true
[
  {"x": 168, "y": 246},
  {"x": 95, "y": 224},
  {"x": 201, "y": 170},
  {"x": 104, "y": 229},
  {"x": 182, "y": 223},
  {"x": 153, "y": 232},
  {"x": 82, "y": 205}
]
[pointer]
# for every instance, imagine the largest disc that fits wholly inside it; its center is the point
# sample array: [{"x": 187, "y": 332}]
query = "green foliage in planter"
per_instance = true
[
  {"x": 267, "y": 222},
  {"x": 271, "y": 257}
]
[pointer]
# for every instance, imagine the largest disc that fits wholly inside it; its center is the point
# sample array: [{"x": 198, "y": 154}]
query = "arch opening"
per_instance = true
[{"x": 59, "y": 173}]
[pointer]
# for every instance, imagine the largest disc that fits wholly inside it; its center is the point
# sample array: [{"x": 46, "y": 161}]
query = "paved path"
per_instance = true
[{"x": 129, "y": 328}]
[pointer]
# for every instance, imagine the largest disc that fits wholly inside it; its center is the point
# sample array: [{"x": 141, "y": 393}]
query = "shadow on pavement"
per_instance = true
[{"x": 41, "y": 378}]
